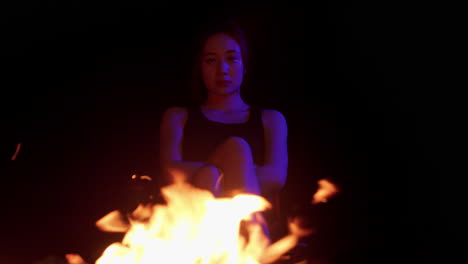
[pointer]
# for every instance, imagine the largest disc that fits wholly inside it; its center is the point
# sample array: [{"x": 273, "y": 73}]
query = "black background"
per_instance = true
[{"x": 367, "y": 88}]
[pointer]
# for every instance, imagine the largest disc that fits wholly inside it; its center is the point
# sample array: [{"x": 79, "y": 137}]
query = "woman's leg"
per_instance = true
[
  {"x": 208, "y": 178},
  {"x": 234, "y": 158}
]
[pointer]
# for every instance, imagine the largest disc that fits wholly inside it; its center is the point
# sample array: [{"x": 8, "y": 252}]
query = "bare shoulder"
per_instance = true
[
  {"x": 174, "y": 113},
  {"x": 273, "y": 118},
  {"x": 175, "y": 110}
]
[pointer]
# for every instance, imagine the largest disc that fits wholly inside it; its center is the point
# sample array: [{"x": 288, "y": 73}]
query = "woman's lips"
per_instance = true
[{"x": 223, "y": 82}]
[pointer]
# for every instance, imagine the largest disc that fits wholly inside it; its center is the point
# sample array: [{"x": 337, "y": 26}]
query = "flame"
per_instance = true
[
  {"x": 73, "y": 258},
  {"x": 146, "y": 177},
  {"x": 195, "y": 227},
  {"x": 326, "y": 190}
]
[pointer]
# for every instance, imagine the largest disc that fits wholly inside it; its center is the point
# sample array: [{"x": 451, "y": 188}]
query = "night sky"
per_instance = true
[{"x": 367, "y": 96}]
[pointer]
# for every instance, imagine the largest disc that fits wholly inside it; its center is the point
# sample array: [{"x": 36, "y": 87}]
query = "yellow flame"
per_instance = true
[{"x": 194, "y": 227}]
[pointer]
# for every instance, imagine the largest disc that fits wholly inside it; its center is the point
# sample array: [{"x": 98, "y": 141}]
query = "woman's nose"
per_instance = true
[{"x": 223, "y": 67}]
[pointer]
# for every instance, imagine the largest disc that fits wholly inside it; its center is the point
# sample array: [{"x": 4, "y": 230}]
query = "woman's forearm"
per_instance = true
[{"x": 271, "y": 178}]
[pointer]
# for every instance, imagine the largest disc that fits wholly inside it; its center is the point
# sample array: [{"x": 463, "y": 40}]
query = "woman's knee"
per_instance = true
[
  {"x": 207, "y": 177},
  {"x": 238, "y": 145},
  {"x": 208, "y": 172}
]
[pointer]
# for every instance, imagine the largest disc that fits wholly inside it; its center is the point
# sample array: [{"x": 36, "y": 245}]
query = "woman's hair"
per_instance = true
[{"x": 229, "y": 27}]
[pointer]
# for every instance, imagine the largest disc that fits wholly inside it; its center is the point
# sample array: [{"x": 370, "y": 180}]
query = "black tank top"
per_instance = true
[{"x": 202, "y": 136}]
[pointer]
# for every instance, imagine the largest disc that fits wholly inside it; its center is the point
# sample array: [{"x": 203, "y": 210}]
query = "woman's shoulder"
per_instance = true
[
  {"x": 273, "y": 118},
  {"x": 272, "y": 114},
  {"x": 266, "y": 112},
  {"x": 175, "y": 110},
  {"x": 175, "y": 113}
]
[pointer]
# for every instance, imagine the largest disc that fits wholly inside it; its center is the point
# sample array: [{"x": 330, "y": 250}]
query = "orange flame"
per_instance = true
[
  {"x": 195, "y": 227},
  {"x": 74, "y": 259},
  {"x": 326, "y": 190}
]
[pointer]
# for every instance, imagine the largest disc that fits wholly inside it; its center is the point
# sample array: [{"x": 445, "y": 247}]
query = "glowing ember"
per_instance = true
[{"x": 144, "y": 177}]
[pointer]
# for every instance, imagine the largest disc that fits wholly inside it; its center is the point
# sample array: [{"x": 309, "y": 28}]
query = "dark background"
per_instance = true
[{"x": 367, "y": 88}]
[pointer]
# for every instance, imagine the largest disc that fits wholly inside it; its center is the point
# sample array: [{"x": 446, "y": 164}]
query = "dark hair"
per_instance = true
[{"x": 232, "y": 29}]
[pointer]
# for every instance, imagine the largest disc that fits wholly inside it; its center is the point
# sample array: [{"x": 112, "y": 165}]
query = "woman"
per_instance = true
[{"x": 224, "y": 144}]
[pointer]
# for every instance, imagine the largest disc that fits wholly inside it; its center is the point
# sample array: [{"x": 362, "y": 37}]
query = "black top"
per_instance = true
[{"x": 202, "y": 136}]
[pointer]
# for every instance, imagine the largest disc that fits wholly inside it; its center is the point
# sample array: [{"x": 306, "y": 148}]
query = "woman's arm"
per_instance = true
[
  {"x": 272, "y": 175},
  {"x": 170, "y": 143}
]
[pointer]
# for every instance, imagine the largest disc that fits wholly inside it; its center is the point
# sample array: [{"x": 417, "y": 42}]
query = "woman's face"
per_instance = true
[{"x": 222, "y": 66}]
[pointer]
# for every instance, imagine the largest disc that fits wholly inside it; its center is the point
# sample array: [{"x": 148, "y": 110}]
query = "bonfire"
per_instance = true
[{"x": 194, "y": 227}]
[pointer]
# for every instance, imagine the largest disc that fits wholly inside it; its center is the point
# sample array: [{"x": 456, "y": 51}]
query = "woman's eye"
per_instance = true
[
  {"x": 210, "y": 60},
  {"x": 233, "y": 58}
]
